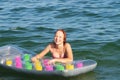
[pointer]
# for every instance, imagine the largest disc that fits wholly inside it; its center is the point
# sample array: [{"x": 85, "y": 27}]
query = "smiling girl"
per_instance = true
[{"x": 61, "y": 50}]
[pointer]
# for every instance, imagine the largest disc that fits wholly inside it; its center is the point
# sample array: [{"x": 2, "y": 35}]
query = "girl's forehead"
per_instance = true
[{"x": 59, "y": 33}]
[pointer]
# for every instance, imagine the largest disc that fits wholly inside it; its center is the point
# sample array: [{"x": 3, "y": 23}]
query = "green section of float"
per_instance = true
[
  {"x": 28, "y": 65},
  {"x": 59, "y": 67},
  {"x": 26, "y": 57}
]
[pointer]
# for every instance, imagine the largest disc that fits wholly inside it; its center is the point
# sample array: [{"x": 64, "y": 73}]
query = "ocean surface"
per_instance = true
[{"x": 92, "y": 26}]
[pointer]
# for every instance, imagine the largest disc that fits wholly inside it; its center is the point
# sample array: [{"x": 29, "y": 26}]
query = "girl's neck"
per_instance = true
[{"x": 59, "y": 46}]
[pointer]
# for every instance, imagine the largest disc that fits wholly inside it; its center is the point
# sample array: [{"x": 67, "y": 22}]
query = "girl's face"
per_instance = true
[{"x": 59, "y": 38}]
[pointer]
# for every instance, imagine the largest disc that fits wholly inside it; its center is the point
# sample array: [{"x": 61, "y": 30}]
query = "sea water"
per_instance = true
[{"x": 92, "y": 27}]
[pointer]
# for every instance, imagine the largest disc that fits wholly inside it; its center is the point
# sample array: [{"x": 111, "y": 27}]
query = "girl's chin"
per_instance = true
[{"x": 57, "y": 43}]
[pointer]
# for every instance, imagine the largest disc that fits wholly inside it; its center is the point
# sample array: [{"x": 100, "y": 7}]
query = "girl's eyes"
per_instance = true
[{"x": 59, "y": 36}]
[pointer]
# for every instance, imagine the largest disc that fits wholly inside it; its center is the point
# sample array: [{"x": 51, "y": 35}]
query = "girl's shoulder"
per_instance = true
[
  {"x": 51, "y": 44},
  {"x": 67, "y": 45}
]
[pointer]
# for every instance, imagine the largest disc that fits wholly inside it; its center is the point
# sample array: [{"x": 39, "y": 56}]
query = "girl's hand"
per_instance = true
[
  {"x": 33, "y": 59},
  {"x": 52, "y": 61}
]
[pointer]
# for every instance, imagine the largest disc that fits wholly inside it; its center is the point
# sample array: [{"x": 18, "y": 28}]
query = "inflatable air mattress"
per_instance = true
[{"x": 18, "y": 60}]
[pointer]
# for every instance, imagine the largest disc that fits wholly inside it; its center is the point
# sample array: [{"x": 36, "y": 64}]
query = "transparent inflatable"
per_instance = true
[{"x": 18, "y": 59}]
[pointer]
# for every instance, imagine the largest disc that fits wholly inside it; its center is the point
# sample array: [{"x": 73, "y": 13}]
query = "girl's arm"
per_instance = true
[{"x": 42, "y": 54}]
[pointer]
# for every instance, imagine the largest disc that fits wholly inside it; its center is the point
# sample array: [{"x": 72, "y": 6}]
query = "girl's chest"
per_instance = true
[{"x": 57, "y": 53}]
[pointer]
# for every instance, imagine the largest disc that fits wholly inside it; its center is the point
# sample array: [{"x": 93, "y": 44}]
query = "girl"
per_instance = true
[{"x": 61, "y": 50}]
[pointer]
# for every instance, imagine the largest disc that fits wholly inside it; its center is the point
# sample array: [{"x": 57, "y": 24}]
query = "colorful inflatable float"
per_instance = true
[{"x": 18, "y": 60}]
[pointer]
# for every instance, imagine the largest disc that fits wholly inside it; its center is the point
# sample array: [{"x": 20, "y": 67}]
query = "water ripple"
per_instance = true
[{"x": 92, "y": 28}]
